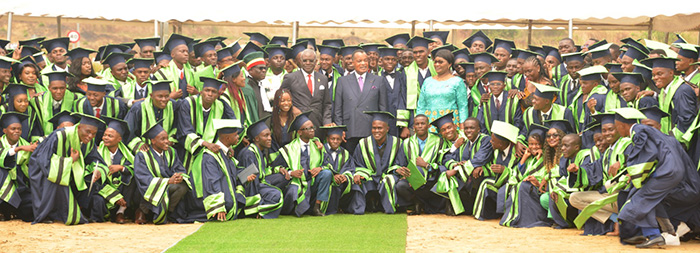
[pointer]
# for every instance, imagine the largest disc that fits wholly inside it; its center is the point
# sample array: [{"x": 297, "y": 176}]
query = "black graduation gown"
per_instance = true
[
  {"x": 269, "y": 188},
  {"x": 351, "y": 201},
  {"x": 396, "y": 97},
  {"x": 499, "y": 113}
]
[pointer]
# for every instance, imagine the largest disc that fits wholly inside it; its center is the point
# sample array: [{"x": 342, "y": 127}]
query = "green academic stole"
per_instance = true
[
  {"x": 110, "y": 108},
  {"x": 432, "y": 152},
  {"x": 214, "y": 203},
  {"x": 412, "y": 85},
  {"x": 45, "y": 105},
  {"x": 564, "y": 90},
  {"x": 110, "y": 191},
  {"x": 503, "y": 176},
  {"x": 612, "y": 101},
  {"x": 475, "y": 95},
  {"x": 148, "y": 118},
  {"x": 557, "y": 112},
  {"x": 666, "y": 105},
  {"x": 368, "y": 157},
  {"x": 207, "y": 71},
  {"x": 514, "y": 82},
  {"x": 343, "y": 158},
  {"x": 172, "y": 73},
  {"x": 292, "y": 153},
  {"x": 202, "y": 133},
  {"x": 30, "y": 121},
  {"x": 236, "y": 107},
  {"x": 157, "y": 187},
  {"x": 62, "y": 165},
  {"x": 579, "y": 113},
  {"x": 582, "y": 180},
  {"x": 511, "y": 106},
  {"x": 8, "y": 187},
  {"x": 128, "y": 89},
  {"x": 336, "y": 75},
  {"x": 258, "y": 157}
]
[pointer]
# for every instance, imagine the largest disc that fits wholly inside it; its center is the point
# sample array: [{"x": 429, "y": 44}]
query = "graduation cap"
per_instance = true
[
  {"x": 496, "y": 76},
  {"x": 687, "y": 50},
  {"x": 578, "y": 56},
  {"x": 418, "y": 41},
  {"x": 371, "y": 47},
  {"x": 508, "y": 45},
  {"x": 537, "y": 129},
  {"x": 162, "y": 56},
  {"x": 23, "y": 62},
  {"x": 38, "y": 57},
  {"x": 654, "y": 113},
  {"x": 592, "y": 73},
  {"x": 235, "y": 47},
  {"x": 597, "y": 44},
  {"x": 205, "y": 46},
  {"x": 633, "y": 78},
  {"x": 545, "y": 91},
  {"x": 3, "y": 43},
  {"x": 348, "y": 50},
  {"x": 311, "y": 41},
  {"x": 578, "y": 48},
  {"x": 9, "y": 118},
  {"x": 442, "y": 120},
  {"x": 642, "y": 69},
  {"x": 462, "y": 54},
  {"x": 380, "y": 116},
  {"x": 467, "y": 66},
  {"x": 333, "y": 43},
  {"x": 484, "y": 57},
  {"x": 52, "y": 44},
  {"x": 259, "y": 37},
  {"x": 227, "y": 126},
  {"x": 90, "y": 120},
  {"x": 100, "y": 51},
  {"x": 231, "y": 70},
  {"x": 613, "y": 67},
  {"x": 448, "y": 47},
  {"x": 537, "y": 50},
  {"x": 552, "y": 51},
  {"x": 505, "y": 131},
  {"x": 256, "y": 128},
  {"x": 115, "y": 58},
  {"x": 478, "y": 36},
  {"x": 604, "y": 118},
  {"x": 660, "y": 62},
  {"x": 224, "y": 52},
  {"x": 160, "y": 85},
  {"x": 401, "y": 38},
  {"x": 94, "y": 84},
  {"x": 680, "y": 39},
  {"x": 635, "y": 53},
  {"x": 523, "y": 54},
  {"x": 35, "y": 42},
  {"x": 299, "y": 47},
  {"x": 175, "y": 40},
  {"x": 593, "y": 127},
  {"x": 278, "y": 50},
  {"x": 58, "y": 75},
  {"x": 628, "y": 115},
  {"x": 219, "y": 40},
  {"x": 442, "y": 35},
  {"x": 600, "y": 51},
  {"x": 190, "y": 46},
  {"x": 79, "y": 52},
  {"x": 279, "y": 40},
  {"x": 64, "y": 116},
  {"x": 129, "y": 45},
  {"x": 299, "y": 121},
  {"x": 14, "y": 89},
  {"x": 331, "y": 50},
  {"x": 209, "y": 82},
  {"x": 635, "y": 43},
  {"x": 563, "y": 125},
  {"x": 141, "y": 62},
  {"x": 153, "y": 130},
  {"x": 118, "y": 125},
  {"x": 147, "y": 42},
  {"x": 28, "y": 51},
  {"x": 335, "y": 130},
  {"x": 388, "y": 51},
  {"x": 248, "y": 49},
  {"x": 112, "y": 48},
  {"x": 6, "y": 62}
]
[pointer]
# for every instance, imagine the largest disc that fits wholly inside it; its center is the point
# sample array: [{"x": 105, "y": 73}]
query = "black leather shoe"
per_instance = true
[
  {"x": 416, "y": 209},
  {"x": 658, "y": 241},
  {"x": 634, "y": 240},
  {"x": 449, "y": 211},
  {"x": 317, "y": 210}
]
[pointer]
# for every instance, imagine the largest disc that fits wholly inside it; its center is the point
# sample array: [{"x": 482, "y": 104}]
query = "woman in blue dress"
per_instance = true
[{"x": 444, "y": 93}]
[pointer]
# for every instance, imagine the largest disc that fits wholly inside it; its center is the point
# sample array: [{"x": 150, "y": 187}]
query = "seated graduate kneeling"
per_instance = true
[{"x": 344, "y": 196}]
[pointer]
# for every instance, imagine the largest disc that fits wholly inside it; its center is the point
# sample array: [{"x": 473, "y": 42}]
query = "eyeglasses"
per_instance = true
[
  {"x": 552, "y": 135},
  {"x": 307, "y": 129}
]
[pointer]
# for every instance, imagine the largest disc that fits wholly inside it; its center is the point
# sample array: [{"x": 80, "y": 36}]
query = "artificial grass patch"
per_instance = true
[{"x": 333, "y": 233}]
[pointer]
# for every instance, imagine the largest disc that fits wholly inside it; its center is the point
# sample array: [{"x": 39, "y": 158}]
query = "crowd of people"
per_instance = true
[{"x": 601, "y": 137}]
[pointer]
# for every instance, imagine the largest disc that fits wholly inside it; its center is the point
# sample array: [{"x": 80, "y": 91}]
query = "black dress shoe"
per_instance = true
[
  {"x": 658, "y": 241},
  {"x": 449, "y": 211},
  {"x": 416, "y": 209},
  {"x": 3, "y": 217},
  {"x": 317, "y": 210},
  {"x": 634, "y": 240}
]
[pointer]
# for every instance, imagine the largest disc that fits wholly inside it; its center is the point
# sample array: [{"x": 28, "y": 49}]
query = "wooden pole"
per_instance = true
[
  {"x": 651, "y": 27},
  {"x": 413, "y": 28},
  {"x": 58, "y": 26},
  {"x": 9, "y": 25},
  {"x": 529, "y": 32}
]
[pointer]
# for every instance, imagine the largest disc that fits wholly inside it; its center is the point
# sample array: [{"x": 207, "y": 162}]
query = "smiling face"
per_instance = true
[
  {"x": 441, "y": 65},
  {"x": 360, "y": 61},
  {"x": 379, "y": 130},
  {"x": 28, "y": 75},
  {"x": 662, "y": 77},
  {"x": 420, "y": 55},
  {"x": 553, "y": 138},
  {"x": 609, "y": 133},
  {"x": 21, "y": 103},
  {"x": 264, "y": 139},
  {"x": 86, "y": 133},
  {"x": 285, "y": 102},
  {"x": 569, "y": 147},
  {"x": 534, "y": 145},
  {"x": 160, "y": 98},
  {"x": 13, "y": 132},
  {"x": 334, "y": 140},
  {"x": 111, "y": 138}
]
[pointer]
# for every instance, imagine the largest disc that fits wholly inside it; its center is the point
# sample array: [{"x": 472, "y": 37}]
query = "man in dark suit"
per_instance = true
[
  {"x": 309, "y": 90},
  {"x": 355, "y": 94}
]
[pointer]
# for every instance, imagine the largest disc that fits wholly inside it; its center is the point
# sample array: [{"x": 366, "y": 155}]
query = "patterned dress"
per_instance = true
[{"x": 438, "y": 98}]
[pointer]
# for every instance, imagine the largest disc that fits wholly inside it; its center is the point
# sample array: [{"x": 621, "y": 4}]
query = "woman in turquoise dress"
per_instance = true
[{"x": 444, "y": 93}]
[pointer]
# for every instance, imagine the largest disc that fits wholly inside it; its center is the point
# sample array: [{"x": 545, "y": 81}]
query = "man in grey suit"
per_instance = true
[
  {"x": 310, "y": 91},
  {"x": 356, "y": 93}
]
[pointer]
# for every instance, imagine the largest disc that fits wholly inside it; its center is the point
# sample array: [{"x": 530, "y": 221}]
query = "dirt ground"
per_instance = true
[
  {"x": 18, "y": 236},
  {"x": 440, "y": 233}
]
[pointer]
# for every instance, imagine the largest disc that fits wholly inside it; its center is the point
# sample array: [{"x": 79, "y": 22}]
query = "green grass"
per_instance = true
[{"x": 334, "y": 233}]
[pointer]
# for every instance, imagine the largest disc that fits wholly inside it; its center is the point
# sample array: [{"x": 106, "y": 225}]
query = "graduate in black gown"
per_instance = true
[
  {"x": 395, "y": 89},
  {"x": 15, "y": 196},
  {"x": 345, "y": 195}
]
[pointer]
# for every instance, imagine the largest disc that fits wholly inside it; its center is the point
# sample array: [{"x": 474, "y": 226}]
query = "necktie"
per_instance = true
[
  {"x": 97, "y": 112},
  {"x": 361, "y": 82},
  {"x": 182, "y": 74},
  {"x": 310, "y": 85},
  {"x": 142, "y": 93},
  {"x": 498, "y": 103}
]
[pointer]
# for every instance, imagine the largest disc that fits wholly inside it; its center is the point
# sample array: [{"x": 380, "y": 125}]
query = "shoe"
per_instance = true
[
  {"x": 658, "y": 241},
  {"x": 634, "y": 240},
  {"x": 139, "y": 217},
  {"x": 449, "y": 211},
  {"x": 119, "y": 219},
  {"x": 416, "y": 210},
  {"x": 3, "y": 217},
  {"x": 317, "y": 210}
]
